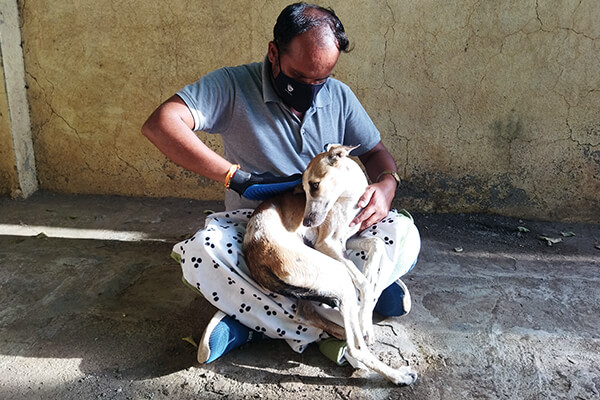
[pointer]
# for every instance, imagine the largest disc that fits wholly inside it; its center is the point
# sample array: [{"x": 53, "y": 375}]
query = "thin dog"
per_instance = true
[{"x": 295, "y": 245}]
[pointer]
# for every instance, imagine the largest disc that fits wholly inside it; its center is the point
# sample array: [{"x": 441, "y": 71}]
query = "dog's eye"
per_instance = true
[{"x": 314, "y": 186}]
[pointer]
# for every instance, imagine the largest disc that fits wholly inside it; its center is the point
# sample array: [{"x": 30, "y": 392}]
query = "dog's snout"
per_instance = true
[{"x": 311, "y": 219}]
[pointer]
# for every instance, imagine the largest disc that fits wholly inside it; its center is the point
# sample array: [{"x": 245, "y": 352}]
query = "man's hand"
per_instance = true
[
  {"x": 377, "y": 199},
  {"x": 262, "y": 186},
  {"x": 375, "y": 203}
]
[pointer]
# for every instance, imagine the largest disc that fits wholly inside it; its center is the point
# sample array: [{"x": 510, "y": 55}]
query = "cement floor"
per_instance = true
[{"x": 94, "y": 308}]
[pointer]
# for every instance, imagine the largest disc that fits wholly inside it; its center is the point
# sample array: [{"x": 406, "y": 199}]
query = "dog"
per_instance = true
[{"x": 295, "y": 245}]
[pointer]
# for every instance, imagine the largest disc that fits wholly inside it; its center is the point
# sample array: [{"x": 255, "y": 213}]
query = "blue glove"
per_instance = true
[{"x": 262, "y": 186}]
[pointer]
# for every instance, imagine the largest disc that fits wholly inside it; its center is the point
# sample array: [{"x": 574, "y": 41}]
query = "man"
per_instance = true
[{"x": 273, "y": 118}]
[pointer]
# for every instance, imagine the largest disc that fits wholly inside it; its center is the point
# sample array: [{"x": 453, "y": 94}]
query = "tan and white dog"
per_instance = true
[{"x": 295, "y": 245}]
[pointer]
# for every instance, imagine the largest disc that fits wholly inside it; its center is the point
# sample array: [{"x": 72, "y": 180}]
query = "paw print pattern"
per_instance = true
[
  {"x": 270, "y": 312},
  {"x": 300, "y": 329},
  {"x": 215, "y": 296},
  {"x": 247, "y": 214},
  {"x": 280, "y": 332},
  {"x": 230, "y": 222},
  {"x": 291, "y": 316},
  {"x": 242, "y": 291},
  {"x": 229, "y": 248},
  {"x": 257, "y": 297},
  {"x": 361, "y": 254},
  {"x": 227, "y": 224},
  {"x": 388, "y": 241},
  {"x": 207, "y": 242},
  {"x": 196, "y": 261},
  {"x": 244, "y": 308},
  {"x": 239, "y": 238},
  {"x": 260, "y": 329},
  {"x": 230, "y": 281},
  {"x": 215, "y": 264}
]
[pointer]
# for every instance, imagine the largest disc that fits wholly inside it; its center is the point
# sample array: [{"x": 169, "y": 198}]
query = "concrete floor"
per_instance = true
[{"x": 94, "y": 308}]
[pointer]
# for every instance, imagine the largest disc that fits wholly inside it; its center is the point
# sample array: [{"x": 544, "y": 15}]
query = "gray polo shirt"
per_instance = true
[{"x": 258, "y": 130}]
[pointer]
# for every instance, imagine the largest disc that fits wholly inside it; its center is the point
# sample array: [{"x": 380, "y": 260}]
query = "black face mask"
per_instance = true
[{"x": 297, "y": 95}]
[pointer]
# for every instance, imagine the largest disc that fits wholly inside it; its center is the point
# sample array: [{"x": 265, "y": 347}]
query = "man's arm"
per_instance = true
[
  {"x": 170, "y": 129},
  {"x": 377, "y": 199}
]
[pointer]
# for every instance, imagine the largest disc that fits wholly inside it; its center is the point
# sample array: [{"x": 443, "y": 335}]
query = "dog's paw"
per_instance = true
[{"x": 405, "y": 376}]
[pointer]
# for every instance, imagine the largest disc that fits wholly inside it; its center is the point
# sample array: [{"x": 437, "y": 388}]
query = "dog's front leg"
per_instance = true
[{"x": 359, "y": 350}]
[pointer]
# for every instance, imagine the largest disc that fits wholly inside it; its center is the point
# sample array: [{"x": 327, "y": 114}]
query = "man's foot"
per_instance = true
[
  {"x": 334, "y": 349},
  {"x": 394, "y": 300},
  {"x": 337, "y": 351},
  {"x": 222, "y": 335}
]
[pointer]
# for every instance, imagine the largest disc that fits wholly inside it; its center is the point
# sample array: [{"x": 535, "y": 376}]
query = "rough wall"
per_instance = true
[
  {"x": 8, "y": 175},
  {"x": 18, "y": 174},
  {"x": 486, "y": 105}
]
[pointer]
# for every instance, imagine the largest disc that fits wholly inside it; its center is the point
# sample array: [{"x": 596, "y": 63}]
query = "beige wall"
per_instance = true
[{"x": 486, "y": 105}]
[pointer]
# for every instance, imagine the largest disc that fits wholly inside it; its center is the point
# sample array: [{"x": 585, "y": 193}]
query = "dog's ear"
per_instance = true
[
  {"x": 335, "y": 152},
  {"x": 298, "y": 189}
]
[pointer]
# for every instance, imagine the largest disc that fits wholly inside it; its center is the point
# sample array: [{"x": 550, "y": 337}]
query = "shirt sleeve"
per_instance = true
[
  {"x": 210, "y": 101},
  {"x": 359, "y": 128}
]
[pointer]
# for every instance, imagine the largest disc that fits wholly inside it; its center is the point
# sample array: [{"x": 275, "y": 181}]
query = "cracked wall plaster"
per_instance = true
[{"x": 486, "y": 106}]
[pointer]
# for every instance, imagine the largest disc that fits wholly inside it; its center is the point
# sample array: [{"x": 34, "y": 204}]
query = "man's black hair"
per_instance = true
[{"x": 298, "y": 18}]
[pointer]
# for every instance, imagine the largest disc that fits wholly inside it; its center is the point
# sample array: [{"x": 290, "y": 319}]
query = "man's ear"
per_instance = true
[{"x": 273, "y": 53}]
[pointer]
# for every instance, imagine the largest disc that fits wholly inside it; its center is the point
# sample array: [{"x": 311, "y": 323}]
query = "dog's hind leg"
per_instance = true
[
  {"x": 364, "y": 313},
  {"x": 335, "y": 248},
  {"x": 306, "y": 311},
  {"x": 376, "y": 266}
]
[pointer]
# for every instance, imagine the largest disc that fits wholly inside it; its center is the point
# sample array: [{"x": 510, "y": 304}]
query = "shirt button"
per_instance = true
[{"x": 302, "y": 131}]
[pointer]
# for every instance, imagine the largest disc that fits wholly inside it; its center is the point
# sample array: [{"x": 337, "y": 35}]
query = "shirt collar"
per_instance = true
[{"x": 269, "y": 93}]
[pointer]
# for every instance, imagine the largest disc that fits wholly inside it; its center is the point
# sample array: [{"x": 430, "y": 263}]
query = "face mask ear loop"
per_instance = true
[{"x": 278, "y": 56}]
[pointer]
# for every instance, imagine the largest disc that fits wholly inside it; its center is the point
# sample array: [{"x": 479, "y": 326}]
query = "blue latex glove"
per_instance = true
[{"x": 262, "y": 186}]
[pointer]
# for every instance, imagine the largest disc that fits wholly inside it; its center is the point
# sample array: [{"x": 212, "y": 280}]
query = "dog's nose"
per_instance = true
[{"x": 309, "y": 220}]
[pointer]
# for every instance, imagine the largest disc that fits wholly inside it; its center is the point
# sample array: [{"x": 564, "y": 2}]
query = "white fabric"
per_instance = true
[{"x": 212, "y": 261}]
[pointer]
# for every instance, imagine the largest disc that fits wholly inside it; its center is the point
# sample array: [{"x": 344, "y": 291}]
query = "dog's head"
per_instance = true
[{"x": 327, "y": 178}]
